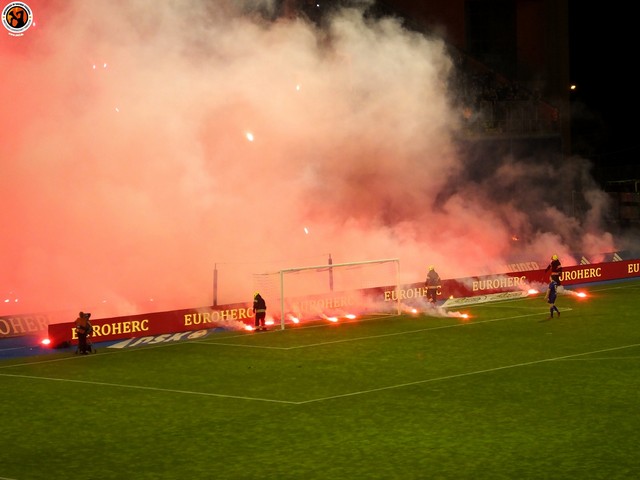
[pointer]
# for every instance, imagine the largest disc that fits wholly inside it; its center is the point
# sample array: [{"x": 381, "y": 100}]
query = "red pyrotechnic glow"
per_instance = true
[
  {"x": 532, "y": 291},
  {"x": 333, "y": 319},
  {"x": 350, "y": 316},
  {"x": 248, "y": 328},
  {"x": 575, "y": 294},
  {"x": 46, "y": 341}
]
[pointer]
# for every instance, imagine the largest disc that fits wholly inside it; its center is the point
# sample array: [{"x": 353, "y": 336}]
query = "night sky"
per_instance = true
[{"x": 605, "y": 104}]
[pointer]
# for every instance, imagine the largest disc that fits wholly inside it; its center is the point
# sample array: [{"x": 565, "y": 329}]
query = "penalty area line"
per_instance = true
[
  {"x": 383, "y": 335},
  {"x": 467, "y": 374},
  {"x": 320, "y": 399},
  {"x": 418, "y": 330},
  {"x": 153, "y": 389}
]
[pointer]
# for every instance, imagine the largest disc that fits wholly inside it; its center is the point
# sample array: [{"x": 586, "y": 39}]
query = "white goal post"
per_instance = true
[{"x": 370, "y": 286}]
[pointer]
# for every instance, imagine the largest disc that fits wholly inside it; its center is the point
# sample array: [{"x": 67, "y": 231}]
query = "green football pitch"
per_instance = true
[{"x": 500, "y": 395}]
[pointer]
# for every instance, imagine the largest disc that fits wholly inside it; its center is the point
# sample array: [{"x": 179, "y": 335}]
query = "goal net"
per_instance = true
[{"x": 330, "y": 291}]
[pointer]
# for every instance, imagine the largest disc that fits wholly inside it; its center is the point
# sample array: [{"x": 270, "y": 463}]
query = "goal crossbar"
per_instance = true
[{"x": 329, "y": 266}]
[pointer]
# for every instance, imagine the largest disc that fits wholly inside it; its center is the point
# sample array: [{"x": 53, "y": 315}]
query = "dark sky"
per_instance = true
[
  {"x": 603, "y": 56},
  {"x": 605, "y": 106}
]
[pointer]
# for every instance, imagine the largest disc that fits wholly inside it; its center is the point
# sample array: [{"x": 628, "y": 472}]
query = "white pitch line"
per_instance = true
[
  {"x": 321, "y": 399},
  {"x": 155, "y": 389},
  {"x": 395, "y": 334},
  {"x": 222, "y": 344},
  {"x": 599, "y": 358},
  {"x": 51, "y": 360},
  {"x": 267, "y": 347},
  {"x": 460, "y": 375}
]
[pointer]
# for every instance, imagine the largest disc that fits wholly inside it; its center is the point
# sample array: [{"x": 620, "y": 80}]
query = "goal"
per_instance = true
[{"x": 329, "y": 291}]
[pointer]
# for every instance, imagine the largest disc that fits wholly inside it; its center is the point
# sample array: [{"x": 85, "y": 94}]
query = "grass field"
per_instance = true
[{"x": 501, "y": 395}]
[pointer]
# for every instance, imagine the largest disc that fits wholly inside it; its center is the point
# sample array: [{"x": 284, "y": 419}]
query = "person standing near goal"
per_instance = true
[
  {"x": 433, "y": 284},
  {"x": 82, "y": 326},
  {"x": 260, "y": 311}
]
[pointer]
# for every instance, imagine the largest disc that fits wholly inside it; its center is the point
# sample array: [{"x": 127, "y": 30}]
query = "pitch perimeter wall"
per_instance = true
[{"x": 239, "y": 316}]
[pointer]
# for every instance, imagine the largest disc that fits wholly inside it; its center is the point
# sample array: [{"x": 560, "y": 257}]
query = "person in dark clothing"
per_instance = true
[
  {"x": 550, "y": 297},
  {"x": 433, "y": 285},
  {"x": 82, "y": 330},
  {"x": 555, "y": 269},
  {"x": 260, "y": 310}
]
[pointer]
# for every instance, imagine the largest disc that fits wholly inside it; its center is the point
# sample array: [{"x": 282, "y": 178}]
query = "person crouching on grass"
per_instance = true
[{"x": 550, "y": 297}]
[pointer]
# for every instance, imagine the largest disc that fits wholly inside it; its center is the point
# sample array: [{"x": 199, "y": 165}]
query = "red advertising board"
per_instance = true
[{"x": 238, "y": 316}]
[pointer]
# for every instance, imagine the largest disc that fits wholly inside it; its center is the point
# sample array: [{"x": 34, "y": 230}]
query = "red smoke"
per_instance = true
[{"x": 124, "y": 185}]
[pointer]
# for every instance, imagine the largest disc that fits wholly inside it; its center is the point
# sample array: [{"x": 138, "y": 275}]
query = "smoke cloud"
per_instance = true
[{"x": 145, "y": 144}]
